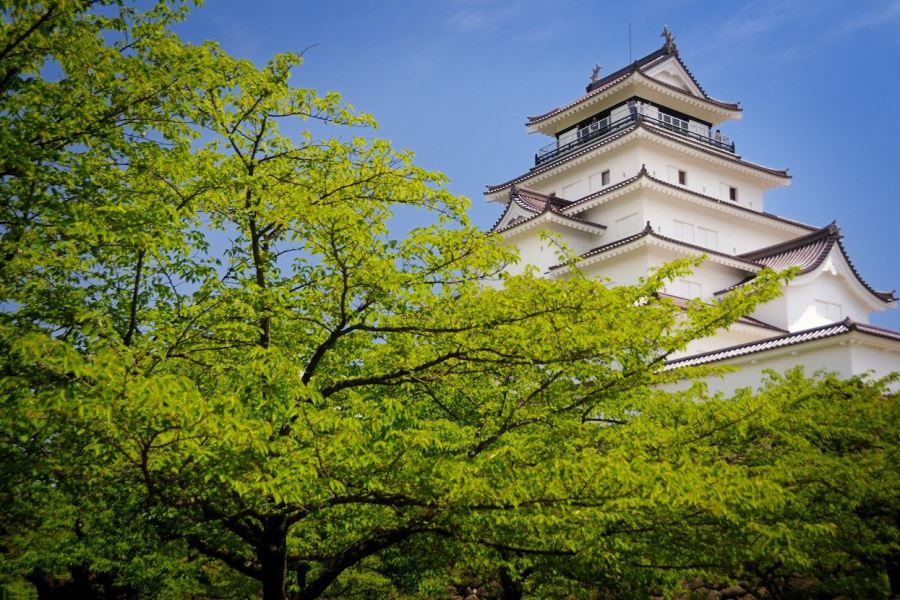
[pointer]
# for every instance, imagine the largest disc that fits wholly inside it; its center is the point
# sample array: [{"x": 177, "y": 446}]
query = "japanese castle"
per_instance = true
[{"x": 638, "y": 174}]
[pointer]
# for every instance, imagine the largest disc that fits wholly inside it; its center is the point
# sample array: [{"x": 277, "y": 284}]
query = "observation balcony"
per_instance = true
[{"x": 639, "y": 112}]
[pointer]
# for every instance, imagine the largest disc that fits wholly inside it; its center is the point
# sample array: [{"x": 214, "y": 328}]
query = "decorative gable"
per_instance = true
[
  {"x": 513, "y": 214},
  {"x": 672, "y": 72}
]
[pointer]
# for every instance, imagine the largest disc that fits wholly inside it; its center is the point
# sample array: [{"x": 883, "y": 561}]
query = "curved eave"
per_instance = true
[
  {"x": 506, "y": 211},
  {"x": 753, "y": 326},
  {"x": 814, "y": 264},
  {"x": 643, "y": 180},
  {"x": 768, "y": 175},
  {"x": 708, "y": 109},
  {"x": 642, "y": 130},
  {"x": 496, "y": 193},
  {"x": 788, "y": 343},
  {"x": 874, "y": 299},
  {"x": 549, "y": 217},
  {"x": 648, "y": 237}
]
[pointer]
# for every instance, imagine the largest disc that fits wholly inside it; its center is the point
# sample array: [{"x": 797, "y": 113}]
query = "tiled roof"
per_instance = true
[
  {"x": 713, "y": 151},
  {"x": 782, "y": 341},
  {"x": 648, "y": 231},
  {"x": 607, "y": 82},
  {"x": 644, "y": 173},
  {"x": 557, "y": 217},
  {"x": 536, "y": 201},
  {"x": 539, "y": 204},
  {"x": 532, "y": 201},
  {"x": 807, "y": 252},
  {"x": 638, "y": 66},
  {"x": 543, "y": 167},
  {"x": 638, "y": 124},
  {"x": 607, "y": 247},
  {"x": 683, "y": 302}
]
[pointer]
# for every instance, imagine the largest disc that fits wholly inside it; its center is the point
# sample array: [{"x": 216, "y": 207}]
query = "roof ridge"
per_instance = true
[
  {"x": 886, "y": 296},
  {"x": 790, "y": 254},
  {"x": 667, "y": 50},
  {"x": 830, "y": 231},
  {"x": 648, "y": 231},
  {"x": 644, "y": 173},
  {"x": 631, "y": 127},
  {"x": 541, "y": 214},
  {"x": 781, "y": 341}
]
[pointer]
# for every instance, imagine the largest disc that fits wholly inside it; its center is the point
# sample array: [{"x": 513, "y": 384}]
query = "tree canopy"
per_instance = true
[{"x": 225, "y": 373}]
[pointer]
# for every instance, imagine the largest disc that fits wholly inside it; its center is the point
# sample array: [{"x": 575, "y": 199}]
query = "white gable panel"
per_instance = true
[
  {"x": 513, "y": 214},
  {"x": 670, "y": 71}
]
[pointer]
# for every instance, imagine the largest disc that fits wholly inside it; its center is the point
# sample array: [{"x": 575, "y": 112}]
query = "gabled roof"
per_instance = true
[
  {"x": 531, "y": 201},
  {"x": 808, "y": 335},
  {"x": 808, "y": 252},
  {"x": 639, "y": 66},
  {"x": 648, "y": 232},
  {"x": 541, "y": 204},
  {"x": 536, "y": 201}
]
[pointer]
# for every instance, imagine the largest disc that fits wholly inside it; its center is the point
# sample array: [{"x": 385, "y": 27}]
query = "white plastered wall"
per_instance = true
[
  {"x": 734, "y": 234},
  {"x": 803, "y": 312},
  {"x": 734, "y": 336},
  {"x": 582, "y": 179},
  {"x": 703, "y": 176},
  {"x": 544, "y": 251},
  {"x": 846, "y": 355},
  {"x": 801, "y": 304},
  {"x": 628, "y": 267}
]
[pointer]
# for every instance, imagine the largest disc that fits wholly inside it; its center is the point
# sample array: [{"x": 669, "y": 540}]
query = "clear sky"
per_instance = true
[{"x": 454, "y": 80}]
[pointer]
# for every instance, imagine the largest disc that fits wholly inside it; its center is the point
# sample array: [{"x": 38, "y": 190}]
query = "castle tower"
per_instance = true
[{"x": 638, "y": 173}]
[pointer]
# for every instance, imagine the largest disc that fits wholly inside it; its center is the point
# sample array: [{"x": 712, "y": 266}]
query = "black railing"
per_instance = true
[{"x": 551, "y": 151}]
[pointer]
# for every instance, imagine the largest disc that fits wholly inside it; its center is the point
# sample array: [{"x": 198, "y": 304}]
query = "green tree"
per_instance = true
[
  {"x": 222, "y": 369},
  {"x": 87, "y": 90},
  {"x": 833, "y": 447}
]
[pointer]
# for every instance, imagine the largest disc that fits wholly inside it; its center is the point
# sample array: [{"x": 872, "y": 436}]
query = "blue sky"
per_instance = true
[{"x": 454, "y": 80}]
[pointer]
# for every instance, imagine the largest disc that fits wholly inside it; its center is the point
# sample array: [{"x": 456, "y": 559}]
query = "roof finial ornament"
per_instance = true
[
  {"x": 595, "y": 73},
  {"x": 670, "y": 41}
]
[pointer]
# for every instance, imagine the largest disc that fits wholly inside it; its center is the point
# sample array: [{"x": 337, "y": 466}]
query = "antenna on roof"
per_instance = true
[{"x": 629, "y": 42}]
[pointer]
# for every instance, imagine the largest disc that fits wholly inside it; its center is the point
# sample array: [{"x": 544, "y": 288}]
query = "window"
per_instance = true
[
  {"x": 604, "y": 177},
  {"x": 682, "y": 177},
  {"x": 708, "y": 238},
  {"x": 684, "y": 231},
  {"x": 688, "y": 289},
  {"x": 728, "y": 192},
  {"x": 673, "y": 122},
  {"x": 593, "y": 127},
  {"x": 829, "y": 310},
  {"x": 566, "y": 137}
]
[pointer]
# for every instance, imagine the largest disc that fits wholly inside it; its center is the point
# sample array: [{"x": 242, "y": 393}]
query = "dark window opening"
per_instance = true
[
  {"x": 682, "y": 177},
  {"x": 732, "y": 194},
  {"x": 604, "y": 177}
]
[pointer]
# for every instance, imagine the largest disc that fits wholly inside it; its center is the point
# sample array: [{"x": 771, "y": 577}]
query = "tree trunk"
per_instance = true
[
  {"x": 273, "y": 559},
  {"x": 512, "y": 589},
  {"x": 893, "y": 573}
]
